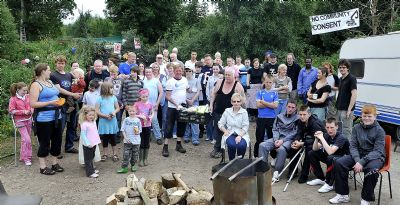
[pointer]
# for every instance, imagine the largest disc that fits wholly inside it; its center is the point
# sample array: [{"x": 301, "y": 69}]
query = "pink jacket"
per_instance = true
[{"x": 17, "y": 107}]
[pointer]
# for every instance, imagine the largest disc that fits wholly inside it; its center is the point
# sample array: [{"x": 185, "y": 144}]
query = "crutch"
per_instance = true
[
  {"x": 290, "y": 162},
  {"x": 291, "y": 176},
  {"x": 15, "y": 136}
]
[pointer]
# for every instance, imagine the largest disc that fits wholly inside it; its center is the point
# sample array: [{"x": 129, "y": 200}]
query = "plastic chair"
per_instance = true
[
  {"x": 15, "y": 135},
  {"x": 385, "y": 168}
]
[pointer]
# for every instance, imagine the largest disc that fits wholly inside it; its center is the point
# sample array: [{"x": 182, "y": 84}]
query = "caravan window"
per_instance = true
[{"x": 357, "y": 68}]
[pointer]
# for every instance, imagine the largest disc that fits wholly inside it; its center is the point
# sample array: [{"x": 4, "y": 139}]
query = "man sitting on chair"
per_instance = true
[
  {"x": 367, "y": 154},
  {"x": 307, "y": 127},
  {"x": 327, "y": 148},
  {"x": 284, "y": 130}
]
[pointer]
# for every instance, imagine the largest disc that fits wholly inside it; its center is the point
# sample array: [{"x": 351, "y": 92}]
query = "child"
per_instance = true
[
  {"x": 106, "y": 108},
  {"x": 145, "y": 114},
  {"x": 266, "y": 101},
  {"x": 90, "y": 97},
  {"x": 192, "y": 95},
  {"x": 21, "y": 110},
  {"x": 131, "y": 128},
  {"x": 78, "y": 86},
  {"x": 89, "y": 138}
]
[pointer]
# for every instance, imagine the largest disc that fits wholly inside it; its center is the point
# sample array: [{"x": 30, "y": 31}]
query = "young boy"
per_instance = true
[
  {"x": 192, "y": 95},
  {"x": 131, "y": 128},
  {"x": 78, "y": 86},
  {"x": 90, "y": 96}
]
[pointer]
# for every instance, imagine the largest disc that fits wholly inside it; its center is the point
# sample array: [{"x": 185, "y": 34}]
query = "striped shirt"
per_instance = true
[{"x": 130, "y": 91}]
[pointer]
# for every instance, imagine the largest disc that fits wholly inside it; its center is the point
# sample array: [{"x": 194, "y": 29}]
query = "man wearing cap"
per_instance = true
[{"x": 271, "y": 67}]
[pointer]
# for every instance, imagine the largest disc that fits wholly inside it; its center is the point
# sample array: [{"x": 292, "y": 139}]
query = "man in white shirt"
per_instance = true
[{"x": 193, "y": 59}]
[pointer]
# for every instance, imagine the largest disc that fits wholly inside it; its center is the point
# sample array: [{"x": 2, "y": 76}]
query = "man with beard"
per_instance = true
[
  {"x": 307, "y": 75},
  {"x": 293, "y": 70}
]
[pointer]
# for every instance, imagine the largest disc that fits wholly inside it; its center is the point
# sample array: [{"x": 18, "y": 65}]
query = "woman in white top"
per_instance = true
[
  {"x": 234, "y": 123},
  {"x": 283, "y": 85}
]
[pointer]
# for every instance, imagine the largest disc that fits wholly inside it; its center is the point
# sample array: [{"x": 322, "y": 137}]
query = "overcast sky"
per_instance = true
[{"x": 96, "y": 6}]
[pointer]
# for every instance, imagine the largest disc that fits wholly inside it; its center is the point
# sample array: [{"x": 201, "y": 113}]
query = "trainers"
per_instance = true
[
  {"x": 315, "y": 182},
  {"x": 206, "y": 139},
  {"x": 186, "y": 140},
  {"x": 213, "y": 142},
  {"x": 325, "y": 189},
  {"x": 273, "y": 162},
  {"x": 94, "y": 175},
  {"x": 72, "y": 150},
  {"x": 180, "y": 149},
  {"x": 275, "y": 176},
  {"x": 159, "y": 141},
  {"x": 302, "y": 179},
  {"x": 339, "y": 199},
  {"x": 165, "y": 151},
  {"x": 133, "y": 168},
  {"x": 123, "y": 170},
  {"x": 363, "y": 202},
  {"x": 174, "y": 136},
  {"x": 28, "y": 163},
  {"x": 196, "y": 143},
  {"x": 96, "y": 171}
]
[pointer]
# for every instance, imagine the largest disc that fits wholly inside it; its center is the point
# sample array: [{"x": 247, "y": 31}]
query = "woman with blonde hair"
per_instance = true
[{"x": 283, "y": 84}]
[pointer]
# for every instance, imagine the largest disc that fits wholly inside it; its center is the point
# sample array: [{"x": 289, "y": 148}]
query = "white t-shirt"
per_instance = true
[
  {"x": 90, "y": 98},
  {"x": 178, "y": 90},
  {"x": 331, "y": 82},
  {"x": 163, "y": 68},
  {"x": 189, "y": 64}
]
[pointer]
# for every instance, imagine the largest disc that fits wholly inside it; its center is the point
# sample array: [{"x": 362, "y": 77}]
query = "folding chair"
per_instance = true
[
  {"x": 15, "y": 126},
  {"x": 385, "y": 168}
]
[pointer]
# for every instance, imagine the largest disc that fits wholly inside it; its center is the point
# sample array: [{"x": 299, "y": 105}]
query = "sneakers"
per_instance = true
[
  {"x": 275, "y": 176},
  {"x": 302, "y": 179},
  {"x": 159, "y": 141},
  {"x": 315, "y": 182},
  {"x": 273, "y": 162},
  {"x": 94, "y": 175},
  {"x": 174, "y": 136},
  {"x": 340, "y": 199},
  {"x": 196, "y": 143},
  {"x": 186, "y": 140},
  {"x": 165, "y": 152},
  {"x": 213, "y": 142},
  {"x": 325, "y": 189},
  {"x": 28, "y": 163},
  {"x": 96, "y": 171},
  {"x": 363, "y": 202},
  {"x": 206, "y": 139},
  {"x": 180, "y": 149},
  {"x": 72, "y": 150},
  {"x": 123, "y": 170}
]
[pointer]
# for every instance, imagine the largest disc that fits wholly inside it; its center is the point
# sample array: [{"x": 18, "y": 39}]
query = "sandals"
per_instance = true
[
  {"x": 115, "y": 158},
  {"x": 47, "y": 171},
  {"x": 103, "y": 158},
  {"x": 57, "y": 168}
]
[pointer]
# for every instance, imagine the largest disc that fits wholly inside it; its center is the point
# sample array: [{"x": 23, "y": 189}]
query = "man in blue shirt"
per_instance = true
[
  {"x": 243, "y": 72},
  {"x": 125, "y": 68},
  {"x": 307, "y": 75}
]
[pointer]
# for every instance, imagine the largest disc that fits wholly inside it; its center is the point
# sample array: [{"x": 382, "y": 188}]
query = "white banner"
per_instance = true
[{"x": 326, "y": 23}]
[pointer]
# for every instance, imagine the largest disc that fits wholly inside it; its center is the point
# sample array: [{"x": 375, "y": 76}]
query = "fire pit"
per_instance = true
[{"x": 239, "y": 182}]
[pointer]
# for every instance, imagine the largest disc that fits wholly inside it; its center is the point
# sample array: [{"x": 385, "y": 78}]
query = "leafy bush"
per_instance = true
[{"x": 8, "y": 35}]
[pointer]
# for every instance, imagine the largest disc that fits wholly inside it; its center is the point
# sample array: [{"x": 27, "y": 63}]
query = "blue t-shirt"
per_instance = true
[
  {"x": 125, "y": 68},
  {"x": 268, "y": 96},
  {"x": 243, "y": 75}
]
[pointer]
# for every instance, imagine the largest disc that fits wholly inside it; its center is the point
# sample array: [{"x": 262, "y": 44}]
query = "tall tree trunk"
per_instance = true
[{"x": 373, "y": 4}]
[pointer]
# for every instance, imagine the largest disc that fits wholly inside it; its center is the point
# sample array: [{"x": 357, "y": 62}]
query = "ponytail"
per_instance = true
[{"x": 16, "y": 86}]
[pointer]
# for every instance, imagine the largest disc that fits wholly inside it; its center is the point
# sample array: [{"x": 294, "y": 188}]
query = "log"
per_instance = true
[
  {"x": 130, "y": 181},
  {"x": 181, "y": 182},
  {"x": 168, "y": 181},
  {"x": 122, "y": 193},
  {"x": 133, "y": 201},
  {"x": 121, "y": 203},
  {"x": 143, "y": 193},
  {"x": 133, "y": 193},
  {"x": 177, "y": 196},
  {"x": 166, "y": 193},
  {"x": 154, "y": 201},
  {"x": 153, "y": 188},
  {"x": 111, "y": 200},
  {"x": 199, "y": 198}
]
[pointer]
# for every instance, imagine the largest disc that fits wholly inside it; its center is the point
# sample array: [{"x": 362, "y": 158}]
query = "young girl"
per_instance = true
[
  {"x": 145, "y": 114},
  {"x": 267, "y": 101},
  {"x": 106, "y": 108},
  {"x": 131, "y": 128},
  {"x": 21, "y": 110},
  {"x": 89, "y": 138}
]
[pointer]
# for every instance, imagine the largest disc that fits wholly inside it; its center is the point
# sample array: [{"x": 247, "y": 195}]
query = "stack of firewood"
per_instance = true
[{"x": 171, "y": 190}]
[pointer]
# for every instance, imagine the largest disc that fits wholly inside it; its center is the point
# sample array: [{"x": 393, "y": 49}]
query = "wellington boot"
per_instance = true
[
  {"x": 145, "y": 155},
  {"x": 141, "y": 156}
]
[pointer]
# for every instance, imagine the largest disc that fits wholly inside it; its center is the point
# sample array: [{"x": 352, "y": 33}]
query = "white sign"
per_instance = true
[
  {"x": 326, "y": 23},
  {"x": 137, "y": 43},
  {"x": 117, "y": 48}
]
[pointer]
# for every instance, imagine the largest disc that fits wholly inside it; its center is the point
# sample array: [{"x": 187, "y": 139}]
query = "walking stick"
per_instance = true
[
  {"x": 290, "y": 162},
  {"x": 291, "y": 176}
]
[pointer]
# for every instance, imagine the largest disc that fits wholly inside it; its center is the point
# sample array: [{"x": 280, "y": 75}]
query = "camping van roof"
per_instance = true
[{"x": 382, "y": 46}]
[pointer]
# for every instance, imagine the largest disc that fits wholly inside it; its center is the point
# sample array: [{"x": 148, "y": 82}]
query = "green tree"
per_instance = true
[
  {"x": 42, "y": 18},
  {"x": 8, "y": 35},
  {"x": 149, "y": 18}
]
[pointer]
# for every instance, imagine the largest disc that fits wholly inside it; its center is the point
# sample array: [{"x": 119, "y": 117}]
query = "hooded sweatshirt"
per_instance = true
[
  {"x": 305, "y": 132},
  {"x": 367, "y": 143},
  {"x": 285, "y": 127}
]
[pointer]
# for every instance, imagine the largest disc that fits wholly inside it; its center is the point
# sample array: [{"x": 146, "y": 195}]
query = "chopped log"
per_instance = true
[
  {"x": 199, "y": 198},
  {"x": 122, "y": 193},
  {"x": 111, "y": 200},
  {"x": 177, "y": 196},
  {"x": 168, "y": 181},
  {"x": 121, "y": 203},
  {"x": 143, "y": 193},
  {"x": 181, "y": 182},
  {"x": 154, "y": 201},
  {"x": 207, "y": 194},
  {"x": 153, "y": 188},
  {"x": 130, "y": 181},
  {"x": 133, "y": 193},
  {"x": 133, "y": 201},
  {"x": 166, "y": 193}
]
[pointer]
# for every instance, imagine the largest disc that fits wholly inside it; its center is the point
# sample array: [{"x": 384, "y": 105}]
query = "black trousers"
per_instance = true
[
  {"x": 159, "y": 116},
  {"x": 320, "y": 156},
  {"x": 145, "y": 138},
  {"x": 49, "y": 137},
  {"x": 217, "y": 133},
  {"x": 172, "y": 117},
  {"x": 88, "y": 156},
  {"x": 263, "y": 124},
  {"x": 108, "y": 138},
  {"x": 343, "y": 165}
]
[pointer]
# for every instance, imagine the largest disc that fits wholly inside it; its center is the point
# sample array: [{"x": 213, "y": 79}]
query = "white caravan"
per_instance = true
[{"x": 375, "y": 61}]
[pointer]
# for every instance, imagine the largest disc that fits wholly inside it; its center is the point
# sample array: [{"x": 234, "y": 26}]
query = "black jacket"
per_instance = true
[{"x": 306, "y": 133}]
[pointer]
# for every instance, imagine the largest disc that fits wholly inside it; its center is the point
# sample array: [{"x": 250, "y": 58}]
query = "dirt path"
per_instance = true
[{"x": 73, "y": 187}]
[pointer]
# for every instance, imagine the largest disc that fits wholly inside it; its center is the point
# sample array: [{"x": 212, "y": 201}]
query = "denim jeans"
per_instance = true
[
  {"x": 164, "y": 120},
  {"x": 155, "y": 127},
  {"x": 233, "y": 148},
  {"x": 320, "y": 112},
  {"x": 192, "y": 131},
  {"x": 209, "y": 129},
  {"x": 281, "y": 106},
  {"x": 347, "y": 122},
  {"x": 70, "y": 134}
]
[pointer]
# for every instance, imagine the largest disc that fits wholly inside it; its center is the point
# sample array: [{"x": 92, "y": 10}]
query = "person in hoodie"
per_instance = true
[
  {"x": 308, "y": 125},
  {"x": 284, "y": 131},
  {"x": 367, "y": 154}
]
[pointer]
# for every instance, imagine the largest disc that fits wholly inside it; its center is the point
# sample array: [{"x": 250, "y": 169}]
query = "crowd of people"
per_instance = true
[{"x": 129, "y": 102}]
